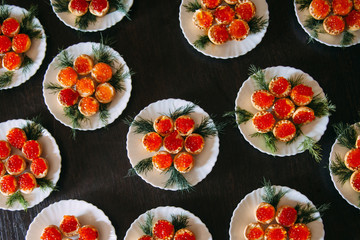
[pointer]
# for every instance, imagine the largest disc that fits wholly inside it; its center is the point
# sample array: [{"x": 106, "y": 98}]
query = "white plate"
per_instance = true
[
  {"x": 323, "y": 37},
  {"x": 36, "y": 51},
  {"x": 204, "y": 161},
  {"x": 195, "y": 224},
  {"x": 102, "y": 23},
  {"x": 87, "y": 214},
  {"x": 230, "y": 49},
  {"x": 50, "y": 152},
  {"x": 345, "y": 190},
  {"x": 244, "y": 213},
  {"x": 116, "y": 107},
  {"x": 314, "y": 129}
]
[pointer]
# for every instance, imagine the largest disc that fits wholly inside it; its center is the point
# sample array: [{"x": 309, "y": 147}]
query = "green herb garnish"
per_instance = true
[
  {"x": 147, "y": 226},
  {"x": 85, "y": 20},
  {"x": 339, "y": 169},
  {"x": 64, "y": 59},
  {"x": 192, "y": 6},
  {"x": 179, "y": 221},
  {"x": 347, "y": 38},
  {"x": 141, "y": 125},
  {"x": 28, "y": 26},
  {"x": 46, "y": 184},
  {"x": 202, "y": 42},
  {"x": 258, "y": 75},
  {"x": 17, "y": 197},
  {"x": 177, "y": 179},
  {"x": 144, "y": 166},
  {"x": 271, "y": 196},
  {"x": 6, "y": 78},
  {"x": 303, "y": 4},
  {"x": 305, "y": 212},
  {"x": 346, "y": 135},
  {"x": 75, "y": 117},
  {"x": 33, "y": 129},
  {"x": 313, "y": 148},
  {"x": 206, "y": 128},
  {"x": 270, "y": 140},
  {"x": 53, "y": 87},
  {"x": 180, "y": 111},
  {"x": 321, "y": 106},
  {"x": 104, "y": 113},
  {"x": 257, "y": 24},
  {"x": 60, "y": 6}
]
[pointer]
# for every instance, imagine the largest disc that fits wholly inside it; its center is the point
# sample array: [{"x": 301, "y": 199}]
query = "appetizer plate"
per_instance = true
[
  {"x": 315, "y": 129},
  {"x": 50, "y": 152},
  {"x": 345, "y": 190},
  {"x": 244, "y": 213},
  {"x": 230, "y": 49},
  {"x": 102, "y": 23},
  {"x": 116, "y": 107},
  {"x": 36, "y": 51},
  {"x": 195, "y": 224},
  {"x": 323, "y": 37},
  {"x": 204, "y": 162},
  {"x": 87, "y": 214}
]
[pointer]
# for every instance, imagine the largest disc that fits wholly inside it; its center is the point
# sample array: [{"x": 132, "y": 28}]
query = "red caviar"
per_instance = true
[
  {"x": 183, "y": 162},
  {"x": 11, "y": 61},
  {"x": 16, "y": 137},
  {"x": 203, "y": 19},
  {"x": 194, "y": 143},
  {"x": 334, "y": 24},
  {"x": 254, "y": 231},
  {"x": 27, "y": 182},
  {"x": 355, "y": 181},
  {"x": 352, "y": 159},
  {"x": 301, "y": 94},
  {"x": 211, "y": 3},
  {"x": 356, "y": 5},
  {"x": 8, "y": 185},
  {"x": 275, "y": 232},
  {"x": 184, "y": 234},
  {"x": 319, "y": 9},
  {"x": 218, "y": 34},
  {"x": 101, "y": 72},
  {"x": 341, "y": 7},
  {"x": 245, "y": 10},
  {"x": 67, "y": 77},
  {"x": 173, "y": 143},
  {"x": 286, "y": 216},
  {"x": 303, "y": 115},
  {"x": 5, "y": 44},
  {"x": 105, "y": 93},
  {"x": 184, "y": 125},
  {"x": 88, "y": 106},
  {"x": 152, "y": 141},
  {"x": 39, "y": 167},
  {"x": 238, "y": 29},
  {"x": 88, "y": 232},
  {"x": 83, "y": 64},
  {"x": 284, "y": 130},
  {"x": 353, "y": 20},
  {"x": 79, "y": 5},
  {"x": 5, "y": 150},
  {"x": 15, "y": 165},
  {"x": 68, "y": 97},
  {"x": 10, "y": 27},
  {"x": 2, "y": 169},
  {"x": 263, "y": 121},
  {"x": 21, "y": 43},
  {"x": 163, "y": 230},
  {"x": 145, "y": 237},
  {"x": 162, "y": 160},
  {"x": 69, "y": 225},
  {"x": 99, "y": 5},
  {"x": 283, "y": 108},
  {"x": 51, "y": 233},
  {"x": 163, "y": 125},
  {"x": 224, "y": 14},
  {"x": 32, "y": 149},
  {"x": 280, "y": 87},
  {"x": 262, "y": 99},
  {"x": 265, "y": 213},
  {"x": 85, "y": 87},
  {"x": 299, "y": 232}
]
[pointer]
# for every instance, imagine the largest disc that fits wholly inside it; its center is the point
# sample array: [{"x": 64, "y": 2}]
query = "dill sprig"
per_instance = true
[
  {"x": 119, "y": 6},
  {"x": 271, "y": 196},
  {"x": 206, "y": 128},
  {"x": 176, "y": 178},
  {"x": 339, "y": 169},
  {"x": 242, "y": 115},
  {"x": 202, "y": 42},
  {"x": 322, "y": 106},
  {"x": 141, "y": 125},
  {"x": 179, "y": 221},
  {"x": 303, "y": 4},
  {"x": 104, "y": 113},
  {"x": 26, "y": 64},
  {"x": 60, "y": 6},
  {"x": 84, "y": 21},
  {"x": 28, "y": 26},
  {"x": 103, "y": 53},
  {"x": 183, "y": 110},
  {"x": 17, "y": 197},
  {"x": 192, "y": 6},
  {"x": 6, "y": 78},
  {"x": 117, "y": 80},
  {"x": 313, "y": 148},
  {"x": 257, "y": 24},
  {"x": 305, "y": 212},
  {"x": 45, "y": 184},
  {"x": 75, "y": 117},
  {"x": 296, "y": 79},
  {"x": 258, "y": 75},
  {"x": 147, "y": 226},
  {"x": 346, "y": 134},
  {"x": 144, "y": 166},
  {"x": 313, "y": 25},
  {"x": 65, "y": 59},
  {"x": 347, "y": 38},
  {"x": 4, "y": 11},
  {"x": 33, "y": 129},
  {"x": 270, "y": 140},
  {"x": 53, "y": 87}
]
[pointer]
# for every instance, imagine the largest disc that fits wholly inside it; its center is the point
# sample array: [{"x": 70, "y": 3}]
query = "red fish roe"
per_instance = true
[
  {"x": 356, "y": 5},
  {"x": 283, "y": 108},
  {"x": 67, "y": 77},
  {"x": 152, "y": 141},
  {"x": 51, "y": 232},
  {"x": 99, "y": 5},
  {"x": 85, "y": 87},
  {"x": 69, "y": 225},
  {"x": 263, "y": 121},
  {"x": 31, "y": 149},
  {"x": 319, "y": 9},
  {"x": 334, "y": 24},
  {"x": 21, "y": 43},
  {"x": 218, "y": 34},
  {"x": 2, "y": 169},
  {"x": 11, "y": 61},
  {"x": 184, "y": 125},
  {"x": 303, "y": 115},
  {"x": 355, "y": 181},
  {"x": 105, "y": 92},
  {"x": 352, "y": 159},
  {"x": 146, "y": 237},
  {"x": 5, "y": 150},
  {"x": 353, "y": 20},
  {"x": 101, "y": 72},
  {"x": 262, "y": 99},
  {"x": 265, "y": 213},
  {"x": 299, "y": 232},
  {"x": 16, "y": 137},
  {"x": 194, "y": 143},
  {"x": 5, "y": 44},
  {"x": 245, "y": 10},
  {"x": 162, "y": 160},
  {"x": 280, "y": 87},
  {"x": 8, "y": 185},
  {"x": 83, "y": 64},
  {"x": 88, "y": 232},
  {"x": 10, "y": 27},
  {"x": 211, "y": 4},
  {"x": 224, "y": 14},
  {"x": 39, "y": 167},
  {"x": 341, "y": 7},
  {"x": 15, "y": 165},
  {"x": 27, "y": 182},
  {"x": 203, "y": 19},
  {"x": 275, "y": 232},
  {"x": 286, "y": 216},
  {"x": 163, "y": 230},
  {"x": 173, "y": 143},
  {"x": 88, "y": 106},
  {"x": 79, "y": 5},
  {"x": 68, "y": 97},
  {"x": 163, "y": 125},
  {"x": 238, "y": 29},
  {"x": 302, "y": 94},
  {"x": 184, "y": 234},
  {"x": 284, "y": 130},
  {"x": 254, "y": 231},
  {"x": 183, "y": 162}
]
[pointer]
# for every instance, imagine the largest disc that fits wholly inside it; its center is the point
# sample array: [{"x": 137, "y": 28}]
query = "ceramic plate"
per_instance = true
[
  {"x": 244, "y": 213},
  {"x": 195, "y": 224},
  {"x": 314, "y": 129},
  {"x": 102, "y": 23},
  {"x": 116, "y": 107},
  {"x": 345, "y": 189},
  {"x": 87, "y": 214},
  {"x": 36, "y": 51},
  {"x": 324, "y": 38},
  {"x": 50, "y": 152},
  {"x": 204, "y": 161},
  {"x": 230, "y": 49}
]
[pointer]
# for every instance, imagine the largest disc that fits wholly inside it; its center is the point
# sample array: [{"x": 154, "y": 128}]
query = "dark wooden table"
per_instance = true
[{"x": 166, "y": 66}]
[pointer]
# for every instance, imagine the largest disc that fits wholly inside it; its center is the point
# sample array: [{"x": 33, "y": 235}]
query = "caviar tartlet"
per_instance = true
[
  {"x": 146, "y": 237},
  {"x": 162, "y": 161},
  {"x": 262, "y": 100},
  {"x": 15, "y": 165},
  {"x": 299, "y": 232},
  {"x": 68, "y": 97},
  {"x": 356, "y": 5},
  {"x": 224, "y": 14},
  {"x": 319, "y": 9},
  {"x": 286, "y": 216},
  {"x": 353, "y": 20},
  {"x": 173, "y": 143},
  {"x": 210, "y": 4},
  {"x": 245, "y": 10},
  {"x": 265, "y": 213},
  {"x": 67, "y": 77},
  {"x": 88, "y": 106},
  {"x": 301, "y": 95},
  {"x": 12, "y": 61},
  {"x": 163, "y": 230},
  {"x": 341, "y": 7},
  {"x": 163, "y": 125},
  {"x": 355, "y": 180},
  {"x": 2, "y": 169},
  {"x": 32, "y": 149},
  {"x": 280, "y": 87},
  {"x": 202, "y": 19},
  {"x": 218, "y": 34},
  {"x": 254, "y": 231},
  {"x": 16, "y": 137},
  {"x": 185, "y": 125},
  {"x": 8, "y": 185},
  {"x": 334, "y": 25},
  {"x": 51, "y": 232},
  {"x": 283, "y": 108},
  {"x": 27, "y": 182},
  {"x": 105, "y": 93},
  {"x": 83, "y": 64},
  {"x": 69, "y": 225},
  {"x": 284, "y": 130},
  {"x": 238, "y": 29},
  {"x": 5, "y": 44},
  {"x": 10, "y": 27},
  {"x": 352, "y": 159},
  {"x": 183, "y": 162},
  {"x": 39, "y": 167},
  {"x": 5, "y": 150},
  {"x": 152, "y": 141},
  {"x": 263, "y": 121},
  {"x": 99, "y": 8},
  {"x": 85, "y": 87},
  {"x": 275, "y": 232},
  {"x": 184, "y": 234},
  {"x": 78, "y": 7},
  {"x": 231, "y": 2},
  {"x": 21, "y": 43},
  {"x": 88, "y": 232},
  {"x": 101, "y": 72},
  {"x": 194, "y": 143},
  {"x": 303, "y": 115}
]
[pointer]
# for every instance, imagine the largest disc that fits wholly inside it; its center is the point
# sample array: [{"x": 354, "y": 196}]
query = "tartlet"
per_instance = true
[
  {"x": 88, "y": 232},
  {"x": 245, "y": 10},
  {"x": 341, "y": 7},
  {"x": 303, "y": 115},
  {"x": 10, "y": 27},
  {"x": 99, "y": 8},
  {"x": 67, "y": 77},
  {"x": 355, "y": 180},
  {"x": 183, "y": 162},
  {"x": 8, "y": 185},
  {"x": 284, "y": 130},
  {"x": 21, "y": 43},
  {"x": 353, "y": 20},
  {"x": 334, "y": 25},
  {"x": 210, "y": 4},
  {"x": 163, "y": 125},
  {"x": 152, "y": 141},
  {"x": 262, "y": 100},
  {"x": 238, "y": 29},
  {"x": 184, "y": 234},
  {"x": 51, "y": 232},
  {"x": 352, "y": 159},
  {"x": 224, "y": 14},
  {"x": 146, "y": 237},
  {"x": 5, "y": 44},
  {"x": 283, "y": 108},
  {"x": 162, "y": 161},
  {"x": 27, "y": 182},
  {"x": 12, "y": 61},
  {"x": 319, "y": 9},
  {"x": 78, "y": 7},
  {"x": 185, "y": 125},
  {"x": 68, "y": 97},
  {"x": 16, "y": 137},
  {"x": 299, "y": 232},
  {"x": 85, "y": 86},
  {"x": 254, "y": 231},
  {"x": 202, "y": 19},
  {"x": 105, "y": 92},
  {"x": 2, "y": 169},
  {"x": 263, "y": 121},
  {"x": 173, "y": 143},
  {"x": 275, "y": 232},
  {"x": 286, "y": 216},
  {"x": 101, "y": 72},
  {"x": 280, "y": 87},
  {"x": 218, "y": 34},
  {"x": 83, "y": 64},
  {"x": 39, "y": 167},
  {"x": 5, "y": 150},
  {"x": 69, "y": 225},
  {"x": 265, "y": 213},
  {"x": 88, "y": 106},
  {"x": 15, "y": 165},
  {"x": 194, "y": 143},
  {"x": 31, "y": 149},
  {"x": 356, "y": 5},
  {"x": 231, "y": 2},
  {"x": 163, "y": 230},
  {"x": 301, "y": 95}
]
